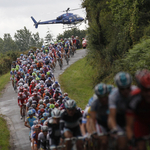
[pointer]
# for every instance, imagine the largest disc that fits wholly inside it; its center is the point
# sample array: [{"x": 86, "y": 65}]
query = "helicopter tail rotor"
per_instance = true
[{"x": 35, "y": 22}]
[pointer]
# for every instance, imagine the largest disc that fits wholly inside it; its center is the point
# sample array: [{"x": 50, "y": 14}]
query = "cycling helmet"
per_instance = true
[
  {"x": 48, "y": 105},
  {"x": 56, "y": 105},
  {"x": 46, "y": 97},
  {"x": 30, "y": 99},
  {"x": 35, "y": 122},
  {"x": 44, "y": 128},
  {"x": 25, "y": 85},
  {"x": 143, "y": 78},
  {"x": 56, "y": 113},
  {"x": 48, "y": 73},
  {"x": 45, "y": 114},
  {"x": 52, "y": 106},
  {"x": 109, "y": 88},
  {"x": 13, "y": 69},
  {"x": 41, "y": 106},
  {"x": 101, "y": 89},
  {"x": 65, "y": 94},
  {"x": 123, "y": 80},
  {"x": 40, "y": 101},
  {"x": 34, "y": 111},
  {"x": 30, "y": 112},
  {"x": 70, "y": 104},
  {"x": 20, "y": 93},
  {"x": 41, "y": 82},
  {"x": 57, "y": 90},
  {"x": 56, "y": 82},
  {"x": 51, "y": 100}
]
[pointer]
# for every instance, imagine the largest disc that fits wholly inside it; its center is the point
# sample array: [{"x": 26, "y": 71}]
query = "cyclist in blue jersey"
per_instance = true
[{"x": 29, "y": 120}]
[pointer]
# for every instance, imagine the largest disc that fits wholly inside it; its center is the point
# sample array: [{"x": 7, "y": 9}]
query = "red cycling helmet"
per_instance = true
[
  {"x": 143, "y": 78},
  {"x": 34, "y": 94},
  {"x": 25, "y": 90}
]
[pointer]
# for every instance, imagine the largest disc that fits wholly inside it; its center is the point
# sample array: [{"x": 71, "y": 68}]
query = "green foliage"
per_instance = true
[
  {"x": 115, "y": 26},
  {"x": 6, "y": 60},
  {"x": 25, "y": 39},
  {"x": 137, "y": 58}
]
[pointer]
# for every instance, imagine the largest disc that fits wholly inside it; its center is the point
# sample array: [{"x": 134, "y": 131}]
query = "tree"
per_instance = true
[
  {"x": 8, "y": 44},
  {"x": 23, "y": 39},
  {"x": 48, "y": 38},
  {"x": 36, "y": 41}
]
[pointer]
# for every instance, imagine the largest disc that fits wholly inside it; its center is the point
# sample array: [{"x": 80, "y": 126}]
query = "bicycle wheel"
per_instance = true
[
  {"x": 60, "y": 64},
  {"x": 15, "y": 87}
]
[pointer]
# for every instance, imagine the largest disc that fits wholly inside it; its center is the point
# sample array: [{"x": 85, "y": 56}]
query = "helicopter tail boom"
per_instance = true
[{"x": 35, "y": 22}]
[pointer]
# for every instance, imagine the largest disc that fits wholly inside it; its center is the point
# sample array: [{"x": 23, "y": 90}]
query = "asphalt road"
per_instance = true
[{"x": 9, "y": 107}]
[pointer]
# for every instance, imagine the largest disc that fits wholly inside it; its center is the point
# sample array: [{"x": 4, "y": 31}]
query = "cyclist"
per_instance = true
[
  {"x": 118, "y": 100},
  {"x": 99, "y": 115},
  {"x": 29, "y": 121},
  {"x": 43, "y": 139},
  {"x": 12, "y": 73},
  {"x": 21, "y": 101},
  {"x": 70, "y": 121},
  {"x": 54, "y": 128},
  {"x": 34, "y": 143},
  {"x": 138, "y": 112},
  {"x": 29, "y": 103},
  {"x": 44, "y": 118}
]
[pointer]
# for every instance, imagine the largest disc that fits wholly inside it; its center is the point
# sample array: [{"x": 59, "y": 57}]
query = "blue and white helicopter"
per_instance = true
[{"x": 69, "y": 19}]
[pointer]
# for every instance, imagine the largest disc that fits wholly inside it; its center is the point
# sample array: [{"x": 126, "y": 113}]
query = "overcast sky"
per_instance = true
[{"x": 15, "y": 14}]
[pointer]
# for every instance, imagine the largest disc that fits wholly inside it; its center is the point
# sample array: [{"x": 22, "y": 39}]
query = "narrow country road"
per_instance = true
[{"x": 9, "y": 108}]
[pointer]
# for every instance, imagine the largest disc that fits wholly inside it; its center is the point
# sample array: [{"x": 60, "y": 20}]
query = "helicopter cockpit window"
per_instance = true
[
  {"x": 78, "y": 16},
  {"x": 70, "y": 18},
  {"x": 74, "y": 17},
  {"x": 59, "y": 18}
]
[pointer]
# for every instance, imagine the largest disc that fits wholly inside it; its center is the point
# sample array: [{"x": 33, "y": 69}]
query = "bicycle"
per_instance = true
[
  {"x": 73, "y": 141},
  {"x": 60, "y": 62},
  {"x": 71, "y": 52},
  {"x": 59, "y": 147},
  {"x": 67, "y": 59},
  {"x": 15, "y": 85},
  {"x": 23, "y": 112}
]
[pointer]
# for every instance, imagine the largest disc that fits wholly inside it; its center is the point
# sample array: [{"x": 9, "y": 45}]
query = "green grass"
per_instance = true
[
  {"x": 4, "y": 132},
  {"x": 4, "y": 79},
  {"x": 4, "y": 135},
  {"x": 77, "y": 82}
]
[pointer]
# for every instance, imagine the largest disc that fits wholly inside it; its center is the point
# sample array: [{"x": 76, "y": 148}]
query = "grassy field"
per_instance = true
[
  {"x": 4, "y": 132},
  {"x": 76, "y": 81}
]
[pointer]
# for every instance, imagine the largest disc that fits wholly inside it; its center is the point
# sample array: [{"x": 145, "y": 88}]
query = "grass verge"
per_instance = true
[
  {"x": 77, "y": 82},
  {"x": 4, "y": 79},
  {"x": 5, "y": 135},
  {"x": 4, "y": 132}
]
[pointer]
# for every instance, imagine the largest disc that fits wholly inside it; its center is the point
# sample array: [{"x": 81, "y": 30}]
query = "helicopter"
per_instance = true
[{"x": 69, "y": 19}]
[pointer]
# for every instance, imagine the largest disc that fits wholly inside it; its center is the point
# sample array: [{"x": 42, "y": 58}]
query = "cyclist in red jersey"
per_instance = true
[
  {"x": 21, "y": 101},
  {"x": 138, "y": 122},
  {"x": 27, "y": 94}
]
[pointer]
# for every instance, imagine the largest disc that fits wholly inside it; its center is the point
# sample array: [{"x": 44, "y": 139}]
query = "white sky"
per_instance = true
[{"x": 15, "y": 14}]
